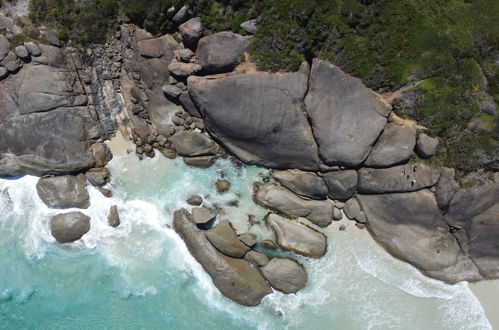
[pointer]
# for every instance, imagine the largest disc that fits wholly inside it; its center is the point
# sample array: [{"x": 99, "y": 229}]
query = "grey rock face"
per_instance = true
[
  {"x": 346, "y": 117},
  {"x": 4, "y": 46},
  {"x": 410, "y": 227},
  {"x": 201, "y": 215},
  {"x": 219, "y": 52},
  {"x": 3, "y": 73},
  {"x": 445, "y": 188},
  {"x": 296, "y": 237},
  {"x": 69, "y": 227},
  {"x": 257, "y": 258},
  {"x": 251, "y": 116},
  {"x": 113, "y": 217},
  {"x": 224, "y": 238},
  {"x": 426, "y": 146},
  {"x": 307, "y": 184},
  {"x": 285, "y": 275},
  {"x": 354, "y": 211},
  {"x": 249, "y": 26},
  {"x": 284, "y": 201},
  {"x": 63, "y": 192},
  {"x": 394, "y": 146},
  {"x": 182, "y": 14},
  {"x": 341, "y": 184},
  {"x": 396, "y": 179},
  {"x": 98, "y": 176},
  {"x": 235, "y": 278},
  {"x": 188, "y": 105},
  {"x": 183, "y": 70},
  {"x": 33, "y": 48},
  {"x": 200, "y": 161},
  {"x": 190, "y": 143},
  {"x": 191, "y": 31},
  {"x": 172, "y": 91},
  {"x": 248, "y": 239}
]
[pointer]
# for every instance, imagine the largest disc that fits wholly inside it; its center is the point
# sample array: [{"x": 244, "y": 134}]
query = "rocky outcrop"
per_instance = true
[
  {"x": 69, "y": 227},
  {"x": 402, "y": 178},
  {"x": 445, "y": 188},
  {"x": 296, "y": 237},
  {"x": 394, "y": 146},
  {"x": 307, "y": 184},
  {"x": 285, "y": 275},
  {"x": 219, "y": 52},
  {"x": 284, "y": 201},
  {"x": 47, "y": 104},
  {"x": 63, "y": 192},
  {"x": 224, "y": 238},
  {"x": 341, "y": 184},
  {"x": 235, "y": 278},
  {"x": 251, "y": 116},
  {"x": 257, "y": 258},
  {"x": 202, "y": 215},
  {"x": 346, "y": 117},
  {"x": 191, "y": 31},
  {"x": 410, "y": 226}
]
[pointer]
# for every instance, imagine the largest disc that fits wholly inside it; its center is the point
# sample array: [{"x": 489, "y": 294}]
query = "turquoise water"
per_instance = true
[{"x": 140, "y": 275}]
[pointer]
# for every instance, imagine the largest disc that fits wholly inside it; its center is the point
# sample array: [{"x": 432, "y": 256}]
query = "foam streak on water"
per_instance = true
[{"x": 141, "y": 276}]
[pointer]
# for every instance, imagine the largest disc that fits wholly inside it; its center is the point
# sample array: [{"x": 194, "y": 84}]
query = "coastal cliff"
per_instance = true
[{"x": 334, "y": 145}]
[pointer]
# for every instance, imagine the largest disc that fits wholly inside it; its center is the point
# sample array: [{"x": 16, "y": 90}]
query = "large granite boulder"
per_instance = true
[
  {"x": 285, "y": 275},
  {"x": 307, "y": 184},
  {"x": 235, "y": 278},
  {"x": 282, "y": 200},
  {"x": 156, "y": 47},
  {"x": 341, "y": 184},
  {"x": 483, "y": 233},
  {"x": 467, "y": 203},
  {"x": 296, "y": 237},
  {"x": 4, "y": 46},
  {"x": 411, "y": 227},
  {"x": 426, "y": 146},
  {"x": 191, "y": 31},
  {"x": 69, "y": 227},
  {"x": 445, "y": 188},
  {"x": 346, "y": 117},
  {"x": 252, "y": 116},
  {"x": 63, "y": 192},
  {"x": 394, "y": 146},
  {"x": 189, "y": 143},
  {"x": 220, "y": 51},
  {"x": 224, "y": 238},
  {"x": 396, "y": 179}
]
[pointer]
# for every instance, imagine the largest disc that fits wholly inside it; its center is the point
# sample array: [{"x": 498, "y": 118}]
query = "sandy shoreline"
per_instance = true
[
  {"x": 119, "y": 145},
  {"x": 487, "y": 293}
]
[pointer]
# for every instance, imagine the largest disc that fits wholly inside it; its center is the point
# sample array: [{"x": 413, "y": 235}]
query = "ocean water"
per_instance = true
[{"x": 141, "y": 276}]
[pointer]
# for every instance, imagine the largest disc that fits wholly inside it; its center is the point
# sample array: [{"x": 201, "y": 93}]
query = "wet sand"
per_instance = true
[{"x": 487, "y": 293}]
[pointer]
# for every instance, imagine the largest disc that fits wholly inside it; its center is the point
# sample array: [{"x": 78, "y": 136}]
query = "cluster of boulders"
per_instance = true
[
  {"x": 69, "y": 191},
  {"x": 237, "y": 269}
]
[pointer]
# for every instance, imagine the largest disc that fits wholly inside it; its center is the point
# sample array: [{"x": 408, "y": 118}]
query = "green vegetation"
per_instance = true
[{"x": 451, "y": 45}]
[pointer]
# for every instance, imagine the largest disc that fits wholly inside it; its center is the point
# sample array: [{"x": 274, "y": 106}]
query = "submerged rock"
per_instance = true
[
  {"x": 296, "y": 237},
  {"x": 63, "y": 192},
  {"x": 69, "y": 227},
  {"x": 222, "y": 186},
  {"x": 224, "y": 238},
  {"x": 284, "y": 201},
  {"x": 235, "y": 278},
  {"x": 285, "y": 275},
  {"x": 113, "y": 217}
]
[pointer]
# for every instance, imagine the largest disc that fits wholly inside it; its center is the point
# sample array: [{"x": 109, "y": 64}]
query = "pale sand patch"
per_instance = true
[
  {"x": 487, "y": 293},
  {"x": 119, "y": 145}
]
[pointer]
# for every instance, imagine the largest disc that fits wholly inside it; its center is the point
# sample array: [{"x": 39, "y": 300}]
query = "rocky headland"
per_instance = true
[{"x": 335, "y": 149}]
